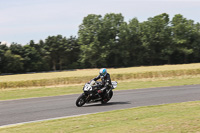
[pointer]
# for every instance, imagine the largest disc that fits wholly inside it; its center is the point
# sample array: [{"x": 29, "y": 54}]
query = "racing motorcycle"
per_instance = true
[{"x": 90, "y": 93}]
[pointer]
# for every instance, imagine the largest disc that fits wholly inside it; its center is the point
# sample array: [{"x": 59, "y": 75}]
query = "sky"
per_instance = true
[{"x": 25, "y": 20}]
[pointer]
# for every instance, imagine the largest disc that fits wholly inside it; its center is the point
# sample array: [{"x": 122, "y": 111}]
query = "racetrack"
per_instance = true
[{"x": 35, "y": 109}]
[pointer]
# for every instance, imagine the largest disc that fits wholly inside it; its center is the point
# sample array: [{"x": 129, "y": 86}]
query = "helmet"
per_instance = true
[{"x": 103, "y": 72}]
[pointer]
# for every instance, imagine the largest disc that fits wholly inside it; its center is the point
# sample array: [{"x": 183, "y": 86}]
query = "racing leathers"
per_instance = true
[{"x": 106, "y": 82}]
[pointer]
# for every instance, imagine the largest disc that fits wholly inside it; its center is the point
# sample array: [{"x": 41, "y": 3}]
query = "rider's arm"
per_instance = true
[{"x": 98, "y": 77}]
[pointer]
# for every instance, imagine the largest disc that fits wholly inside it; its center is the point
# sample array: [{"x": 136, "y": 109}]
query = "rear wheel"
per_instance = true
[{"x": 80, "y": 101}]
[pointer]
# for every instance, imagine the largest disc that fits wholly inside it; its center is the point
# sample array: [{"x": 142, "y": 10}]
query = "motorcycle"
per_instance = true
[{"x": 90, "y": 93}]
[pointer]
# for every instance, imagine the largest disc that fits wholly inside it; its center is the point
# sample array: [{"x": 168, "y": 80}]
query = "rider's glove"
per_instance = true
[
  {"x": 99, "y": 91},
  {"x": 92, "y": 82}
]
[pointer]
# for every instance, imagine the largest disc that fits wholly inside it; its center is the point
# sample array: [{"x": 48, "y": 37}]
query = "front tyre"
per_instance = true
[{"x": 81, "y": 100}]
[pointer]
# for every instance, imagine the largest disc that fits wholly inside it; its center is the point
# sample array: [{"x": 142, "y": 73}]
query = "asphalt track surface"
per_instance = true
[{"x": 36, "y": 109}]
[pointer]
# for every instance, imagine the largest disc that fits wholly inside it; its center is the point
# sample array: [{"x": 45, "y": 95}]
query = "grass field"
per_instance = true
[
  {"x": 179, "y": 117},
  {"x": 95, "y": 72},
  {"x": 175, "y": 118},
  {"x": 14, "y": 90},
  {"x": 82, "y": 76},
  {"x": 77, "y": 89}
]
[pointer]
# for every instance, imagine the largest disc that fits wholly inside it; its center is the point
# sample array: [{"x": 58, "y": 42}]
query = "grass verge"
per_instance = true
[
  {"x": 55, "y": 91},
  {"x": 178, "y": 117}
]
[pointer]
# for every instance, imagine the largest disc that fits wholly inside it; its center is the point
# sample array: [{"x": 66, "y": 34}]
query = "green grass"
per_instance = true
[
  {"x": 55, "y": 91},
  {"x": 173, "y": 118},
  {"x": 38, "y": 92}
]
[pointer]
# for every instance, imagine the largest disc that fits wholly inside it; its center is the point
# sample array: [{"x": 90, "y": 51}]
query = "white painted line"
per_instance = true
[
  {"x": 38, "y": 97},
  {"x": 63, "y": 117},
  {"x": 56, "y": 118},
  {"x": 157, "y": 90}
]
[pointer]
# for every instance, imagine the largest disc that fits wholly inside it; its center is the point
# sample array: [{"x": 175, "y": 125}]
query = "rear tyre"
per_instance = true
[{"x": 80, "y": 101}]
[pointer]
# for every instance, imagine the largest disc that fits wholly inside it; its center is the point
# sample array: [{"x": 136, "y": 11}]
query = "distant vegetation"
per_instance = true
[{"x": 109, "y": 41}]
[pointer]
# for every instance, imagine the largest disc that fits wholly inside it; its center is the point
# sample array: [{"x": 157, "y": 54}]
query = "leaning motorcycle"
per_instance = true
[{"x": 90, "y": 94}]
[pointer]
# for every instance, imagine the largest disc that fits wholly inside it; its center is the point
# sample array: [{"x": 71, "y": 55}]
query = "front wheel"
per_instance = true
[{"x": 80, "y": 101}]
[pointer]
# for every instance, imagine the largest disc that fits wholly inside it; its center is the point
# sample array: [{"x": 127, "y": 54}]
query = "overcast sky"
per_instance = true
[{"x": 25, "y": 20}]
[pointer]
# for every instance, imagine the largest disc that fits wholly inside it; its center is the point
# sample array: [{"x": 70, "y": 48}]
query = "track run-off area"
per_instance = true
[{"x": 46, "y": 108}]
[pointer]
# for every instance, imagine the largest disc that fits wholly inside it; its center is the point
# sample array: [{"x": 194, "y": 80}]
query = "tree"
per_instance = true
[
  {"x": 72, "y": 51},
  {"x": 130, "y": 43},
  {"x": 61, "y": 51},
  {"x": 53, "y": 46},
  {"x": 13, "y": 63},
  {"x": 16, "y": 49},
  {"x": 89, "y": 31},
  {"x": 155, "y": 38},
  {"x": 113, "y": 51},
  {"x": 3, "y": 49},
  {"x": 98, "y": 40},
  {"x": 196, "y": 44},
  {"x": 182, "y": 32},
  {"x": 109, "y": 41}
]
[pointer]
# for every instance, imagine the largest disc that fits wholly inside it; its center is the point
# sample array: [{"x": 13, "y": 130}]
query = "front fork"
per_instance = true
[{"x": 88, "y": 97}]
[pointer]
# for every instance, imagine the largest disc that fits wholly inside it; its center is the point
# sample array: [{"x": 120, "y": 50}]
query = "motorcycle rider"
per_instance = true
[{"x": 105, "y": 79}]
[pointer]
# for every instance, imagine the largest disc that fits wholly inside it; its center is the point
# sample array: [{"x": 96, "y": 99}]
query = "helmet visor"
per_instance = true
[{"x": 101, "y": 74}]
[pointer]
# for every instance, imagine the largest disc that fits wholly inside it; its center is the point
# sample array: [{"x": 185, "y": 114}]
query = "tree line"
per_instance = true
[{"x": 109, "y": 41}]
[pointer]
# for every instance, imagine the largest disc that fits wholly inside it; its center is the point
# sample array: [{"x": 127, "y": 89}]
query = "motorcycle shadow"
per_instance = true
[{"x": 107, "y": 104}]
